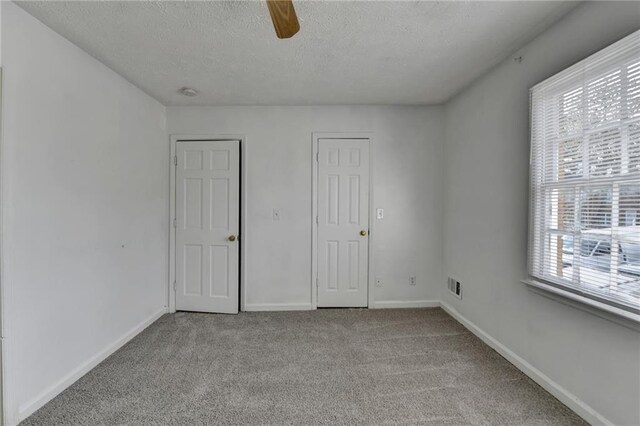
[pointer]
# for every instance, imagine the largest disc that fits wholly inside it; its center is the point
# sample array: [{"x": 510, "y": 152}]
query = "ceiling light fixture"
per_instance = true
[{"x": 188, "y": 91}]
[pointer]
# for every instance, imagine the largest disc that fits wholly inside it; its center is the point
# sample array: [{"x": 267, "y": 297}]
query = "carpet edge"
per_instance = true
[
  {"x": 574, "y": 403},
  {"x": 25, "y": 410}
]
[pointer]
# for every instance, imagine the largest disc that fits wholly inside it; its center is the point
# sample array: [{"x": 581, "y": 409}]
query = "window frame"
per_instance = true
[{"x": 544, "y": 192}]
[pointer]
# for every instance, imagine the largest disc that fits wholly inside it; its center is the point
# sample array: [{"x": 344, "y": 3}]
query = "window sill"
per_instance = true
[{"x": 618, "y": 315}]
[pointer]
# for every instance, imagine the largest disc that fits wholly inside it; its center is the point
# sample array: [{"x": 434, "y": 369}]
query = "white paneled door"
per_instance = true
[
  {"x": 207, "y": 225},
  {"x": 343, "y": 222}
]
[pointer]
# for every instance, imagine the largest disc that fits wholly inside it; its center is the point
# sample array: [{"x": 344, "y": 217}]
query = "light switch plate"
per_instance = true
[{"x": 379, "y": 213}]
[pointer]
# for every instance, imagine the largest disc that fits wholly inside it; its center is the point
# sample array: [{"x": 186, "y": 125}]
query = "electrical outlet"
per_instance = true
[
  {"x": 412, "y": 280},
  {"x": 276, "y": 214},
  {"x": 378, "y": 282}
]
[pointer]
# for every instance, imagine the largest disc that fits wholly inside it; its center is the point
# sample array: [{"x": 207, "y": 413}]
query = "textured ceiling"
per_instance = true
[{"x": 347, "y": 52}]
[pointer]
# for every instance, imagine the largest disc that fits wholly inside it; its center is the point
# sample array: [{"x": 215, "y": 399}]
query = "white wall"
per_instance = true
[
  {"x": 407, "y": 150},
  {"x": 485, "y": 211},
  {"x": 85, "y": 208}
]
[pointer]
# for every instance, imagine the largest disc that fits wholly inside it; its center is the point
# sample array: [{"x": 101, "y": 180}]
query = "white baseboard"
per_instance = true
[
  {"x": 30, "y": 407},
  {"x": 265, "y": 307},
  {"x": 567, "y": 398},
  {"x": 388, "y": 304}
]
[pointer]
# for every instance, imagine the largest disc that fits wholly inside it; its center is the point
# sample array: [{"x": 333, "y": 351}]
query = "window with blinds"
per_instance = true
[{"x": 585, "y": 177}]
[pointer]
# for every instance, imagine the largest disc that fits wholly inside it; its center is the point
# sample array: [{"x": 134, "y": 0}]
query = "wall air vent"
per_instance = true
[{"x": 455, "y": 287}]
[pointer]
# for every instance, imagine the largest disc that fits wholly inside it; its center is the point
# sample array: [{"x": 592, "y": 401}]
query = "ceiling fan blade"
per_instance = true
[{"x": 284, "y": 18}]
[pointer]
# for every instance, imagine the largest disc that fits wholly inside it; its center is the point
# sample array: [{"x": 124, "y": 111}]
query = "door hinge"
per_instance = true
[
  {"x": 175, "y": 160},
  {"x": 317, "y": 221},
  {"x": 175, "y": 223},
  {"x": 317, "y": 282},
  {"x": 317, "y": 157},
  {"x": 174, "y": 286}
]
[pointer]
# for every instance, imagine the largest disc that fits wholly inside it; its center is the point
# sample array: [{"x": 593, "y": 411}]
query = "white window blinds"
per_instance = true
[{"x": 584, "y": 230}]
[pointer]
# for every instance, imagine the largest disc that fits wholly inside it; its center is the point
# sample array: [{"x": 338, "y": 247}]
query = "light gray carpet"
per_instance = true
[{"x": 409, "y": 366}]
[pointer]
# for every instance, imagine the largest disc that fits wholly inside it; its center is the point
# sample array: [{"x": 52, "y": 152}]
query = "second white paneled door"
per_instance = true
[
  {"x": 207, "y": 225},
  {"x": 343, "y": 222}
]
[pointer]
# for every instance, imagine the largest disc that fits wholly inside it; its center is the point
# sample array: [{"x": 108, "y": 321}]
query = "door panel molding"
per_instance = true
[
  {"x": 316, "y": 136},
  {"x": 216, "y": 163}
]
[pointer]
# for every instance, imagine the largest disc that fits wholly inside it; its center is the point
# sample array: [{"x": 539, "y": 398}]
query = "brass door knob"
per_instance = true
[
  {"x": 232, "y": 237},
  {"x": 363, "y": 233}
]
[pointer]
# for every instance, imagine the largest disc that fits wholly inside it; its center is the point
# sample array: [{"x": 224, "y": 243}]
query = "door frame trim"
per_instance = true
[
  {"x": 4, "y": 375},
  {"x": 315, "y": 136},
  {"x": 174, "y": 139}
]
